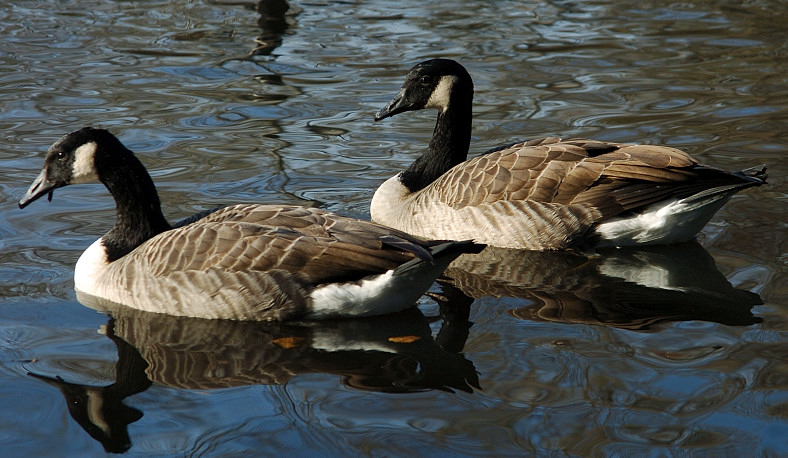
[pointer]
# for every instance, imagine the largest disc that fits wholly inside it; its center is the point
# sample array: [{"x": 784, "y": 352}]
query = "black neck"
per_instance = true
[
  {"x": 137, "y": 205},
  {"x": 449, "y": 145}
]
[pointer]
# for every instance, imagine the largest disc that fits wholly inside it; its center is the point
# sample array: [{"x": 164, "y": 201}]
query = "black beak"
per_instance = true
[
  {"x": 41, "y": 186},
  {"x": 398, "y": 104}
]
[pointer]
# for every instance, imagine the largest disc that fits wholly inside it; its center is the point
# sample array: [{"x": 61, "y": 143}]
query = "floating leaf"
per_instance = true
[
  {"x": 404, "y": 339},
  {"x": 289, "y": 342}
]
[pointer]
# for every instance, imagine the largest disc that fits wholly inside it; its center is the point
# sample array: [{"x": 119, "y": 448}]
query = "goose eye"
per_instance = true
[
  {"x": 425, "y": 80},
  {"x": 61, "y": 155}
]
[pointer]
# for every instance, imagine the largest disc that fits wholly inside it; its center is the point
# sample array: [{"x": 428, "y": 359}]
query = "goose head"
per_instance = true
[
  {"x": 89, "y": 155},
  {"x": 435, "y": 83},
  {"x": 71, "y": 160}
]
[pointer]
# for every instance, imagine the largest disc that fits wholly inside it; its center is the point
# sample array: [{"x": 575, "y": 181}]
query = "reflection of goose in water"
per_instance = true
[
  {"x": 394, "y": 354},
  {"x": 273, "y": 24},
  {"x": 625, "y": 288}
]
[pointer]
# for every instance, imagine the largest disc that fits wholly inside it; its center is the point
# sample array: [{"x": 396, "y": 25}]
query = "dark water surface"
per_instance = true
[{"x": 667, "y": 351}]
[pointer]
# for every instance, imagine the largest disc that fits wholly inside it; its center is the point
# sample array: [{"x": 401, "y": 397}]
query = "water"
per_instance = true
[{"x": 667, "y": 351}]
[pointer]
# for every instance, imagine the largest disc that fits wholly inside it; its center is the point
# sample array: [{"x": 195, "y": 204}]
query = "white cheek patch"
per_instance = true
[
  {"x": 83, "y": 169},
  {"x": 441, "y": 95}
]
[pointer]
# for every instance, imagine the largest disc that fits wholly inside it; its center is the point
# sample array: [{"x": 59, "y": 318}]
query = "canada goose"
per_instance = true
[
  {"x": 542, "y": 194},
  {"x": 242, "y": 262}
]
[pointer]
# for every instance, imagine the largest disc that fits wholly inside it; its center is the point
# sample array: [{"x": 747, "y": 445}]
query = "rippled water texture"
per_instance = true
[{"x": 666, "y": 351}]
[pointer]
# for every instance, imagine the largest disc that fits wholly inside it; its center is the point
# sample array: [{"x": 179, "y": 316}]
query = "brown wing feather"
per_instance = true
[
  {"x": 533, "y": 170},
  {"x": 314, "y": 245},
  {"x": 609, "y": 178}
]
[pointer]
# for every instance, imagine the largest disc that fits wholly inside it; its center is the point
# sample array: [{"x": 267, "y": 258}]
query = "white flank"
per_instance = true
[
  {"x": 441, "y": 95},
  {"x": 371, "y": 296},
  {"x": 663, "y": 223},
  {"x": 378, "y": 294},
  {"x": 89, "y": 268},
  {"x": 84, "y": 170}
]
